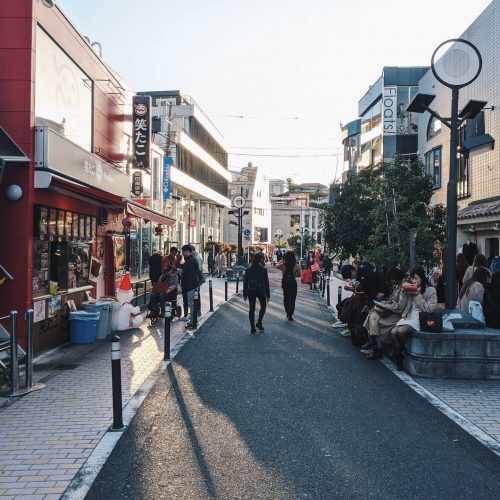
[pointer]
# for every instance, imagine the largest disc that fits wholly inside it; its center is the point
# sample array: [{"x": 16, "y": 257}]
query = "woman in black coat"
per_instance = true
[{"x": 256, "y": 286}]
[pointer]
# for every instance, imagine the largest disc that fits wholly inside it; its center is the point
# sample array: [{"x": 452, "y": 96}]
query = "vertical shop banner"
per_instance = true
[
  {"x": 167, "y": 164},
  {"x": 137, "y": 183},
  {"x": 390, "y": 110},
  {"x": 142, "y": 130}
]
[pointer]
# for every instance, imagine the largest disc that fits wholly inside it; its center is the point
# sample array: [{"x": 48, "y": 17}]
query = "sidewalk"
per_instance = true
[
  {"x": 476, "y": 401},
  {"x": 48, "y": 435}
]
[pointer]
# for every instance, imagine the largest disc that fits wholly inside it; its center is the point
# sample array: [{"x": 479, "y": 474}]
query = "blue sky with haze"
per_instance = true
[{"x": 271, "y": 59}]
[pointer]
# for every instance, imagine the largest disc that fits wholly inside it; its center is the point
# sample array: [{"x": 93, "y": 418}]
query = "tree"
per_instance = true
[
  {"x": 289, "y": 184},
  {"x": 384, "y": 214}
]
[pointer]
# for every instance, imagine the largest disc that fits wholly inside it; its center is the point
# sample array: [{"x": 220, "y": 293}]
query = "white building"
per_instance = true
[
  {"x": 253, "y": 184},
  {"x": 199, "y": 174},
  {"x": 277, "y": 186}
]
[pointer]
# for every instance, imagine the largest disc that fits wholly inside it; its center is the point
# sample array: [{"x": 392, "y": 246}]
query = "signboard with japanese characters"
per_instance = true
[
  {"x": 167, "y": 164},
  {"x": 137, "y": 183},
  {"x": 142, "y": 130}
]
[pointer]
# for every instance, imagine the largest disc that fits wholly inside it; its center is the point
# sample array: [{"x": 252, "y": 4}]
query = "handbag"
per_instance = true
[
  {"x": 159, "y": 287},
  {"x": 431, "y": 322},
  {"x": 306, "y": 276},
  {"x": 315, "y": 267}
]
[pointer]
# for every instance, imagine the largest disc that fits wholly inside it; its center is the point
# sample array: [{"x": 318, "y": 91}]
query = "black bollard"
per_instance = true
[
  {"x": 339, "y": 294},
  {"x": 225, "y": 290},
  {"x": 168, "y": 321},
  {"x": 237, "y": 282},
  {"x": 324, "y": 286},
  {"x": 211, "y": 295},
  {"x": 328, "y": 293},
  {"x": 116, "y": 379},
  {"x": 194, "y": 319}
]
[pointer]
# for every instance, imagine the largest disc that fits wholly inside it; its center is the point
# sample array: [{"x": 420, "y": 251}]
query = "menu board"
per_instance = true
[
  {"x": 40, "y": 265},
  {"x": 60, "y": 223},
  {"x": 94, "y": 227},
  {"x": 82, "y": 227},
  {"x": 69, "y": 225},
  {"x": 75, "y": 226},
  {"x": 53, "y": 222},
  {"x": 43, "y": 222},
  {"x": 88, "y": 227}
]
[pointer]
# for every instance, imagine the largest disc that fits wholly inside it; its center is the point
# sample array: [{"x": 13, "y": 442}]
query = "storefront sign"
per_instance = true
[
  {"x": 56, "y": 153},
  {"x": 167, "y": 164},
  {"x": 137, "y": 183},
  {"x": 390, "y": 109},
  {"x": 141, "y": 119}
]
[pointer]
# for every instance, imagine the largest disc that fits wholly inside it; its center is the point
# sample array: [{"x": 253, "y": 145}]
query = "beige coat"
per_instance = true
[{"x": 474, "y": 292}]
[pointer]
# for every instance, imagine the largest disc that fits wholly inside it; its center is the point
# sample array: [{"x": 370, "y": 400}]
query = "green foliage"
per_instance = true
[
  {"x": 377, "y": 211},
  {"x": 309, "y": 243},
  {"x": 289, "y": 184}
]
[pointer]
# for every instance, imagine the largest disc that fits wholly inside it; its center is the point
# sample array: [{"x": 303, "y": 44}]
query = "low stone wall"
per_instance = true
[{"x": 462, "y": 354}]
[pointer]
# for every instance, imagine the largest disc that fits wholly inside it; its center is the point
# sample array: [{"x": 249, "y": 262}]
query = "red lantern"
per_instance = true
[
  {"x": 127, "y": 224},
  {"x": 158, "y": 230}
]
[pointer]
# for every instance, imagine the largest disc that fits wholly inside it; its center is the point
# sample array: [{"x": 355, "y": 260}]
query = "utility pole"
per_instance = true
[{"x": 240, "y": 241}]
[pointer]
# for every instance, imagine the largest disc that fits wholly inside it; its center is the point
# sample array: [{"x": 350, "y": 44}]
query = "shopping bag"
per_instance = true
[
  {"x": 315, "y": 267},
  {"x": 306, "y": 277}
]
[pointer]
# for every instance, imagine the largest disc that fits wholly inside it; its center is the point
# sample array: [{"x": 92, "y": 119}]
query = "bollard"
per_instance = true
[
  {"x": 14, "y": 366},
  {"x": 211, "y": 295},
  {"x": 328, "y": 293},
  {"x": 339, "y": 294},
  {"x": 324, "y": 286},
  {"x": 168, "y": 320},
  {"x": 29, "y": 349},
  {"x": 237, "y": 282},
  {"x": 116, "y": 379},
  {"x": 194, "y": 319},
  {"x": 225, "y": 290}
]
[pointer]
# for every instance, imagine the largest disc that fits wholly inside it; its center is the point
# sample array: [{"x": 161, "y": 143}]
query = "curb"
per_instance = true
[{"x": 85, "y": 477}]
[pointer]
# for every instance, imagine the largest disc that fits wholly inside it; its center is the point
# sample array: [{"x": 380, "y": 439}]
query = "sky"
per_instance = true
[{"x": 277, "y": 77}]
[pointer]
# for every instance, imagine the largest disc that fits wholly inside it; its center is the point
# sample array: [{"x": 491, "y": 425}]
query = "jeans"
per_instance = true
[
  {"x": 252, "y": 299},
  {"x": 185, "y": 302},
  {"x": 154, "y": 298},
  {"x": 190, "y": 302}
]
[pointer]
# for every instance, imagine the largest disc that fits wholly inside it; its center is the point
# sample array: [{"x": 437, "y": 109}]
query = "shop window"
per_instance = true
[
  {"x": 79, "y": 264},
  {"x": 433, "y": 166}
]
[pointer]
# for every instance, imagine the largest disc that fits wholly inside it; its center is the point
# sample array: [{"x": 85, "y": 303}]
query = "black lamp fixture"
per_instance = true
[{"x": 455, "y": 63}]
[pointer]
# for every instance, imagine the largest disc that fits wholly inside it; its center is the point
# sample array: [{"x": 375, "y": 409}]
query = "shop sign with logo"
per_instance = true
[
  {"x": 390, "y": 109},
  {"x": 141, "y": 120},
  {"x": 137, "y": 183},
  {"x": 168, "y": 161}
]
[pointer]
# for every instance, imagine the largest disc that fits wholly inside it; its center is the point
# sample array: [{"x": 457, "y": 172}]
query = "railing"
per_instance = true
[{"x": 142, "y": 290}]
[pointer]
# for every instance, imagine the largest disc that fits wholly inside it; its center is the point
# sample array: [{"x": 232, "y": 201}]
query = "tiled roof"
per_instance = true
[{"x": 481, "y": 209}]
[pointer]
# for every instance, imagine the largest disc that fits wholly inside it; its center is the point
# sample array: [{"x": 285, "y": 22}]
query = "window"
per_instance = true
[
  {"x": 306, "y": 223},
  {"x": 294, "y": 220},
  {"x": 259, "y": 211},
  {"x": 463, "y": 175},
  {"x": 433, "y": 166},
  {"x": 434, "y": 128},
  {"x": 314, "y": 222}
]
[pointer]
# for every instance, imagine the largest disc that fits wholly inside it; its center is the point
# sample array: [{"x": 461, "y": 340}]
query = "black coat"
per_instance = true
[
  {"x": 259, "y": 274},
  {"x": 491, "y": 305},
  {"x": 155, "y": 267},
  {"x": 190, "y": 278}
]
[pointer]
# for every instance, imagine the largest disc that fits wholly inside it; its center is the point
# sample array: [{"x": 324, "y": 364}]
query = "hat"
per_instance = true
[{"x": 126, "y": 285}]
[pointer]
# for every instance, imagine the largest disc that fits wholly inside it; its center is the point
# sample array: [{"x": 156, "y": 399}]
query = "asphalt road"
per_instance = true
[{"x": 294, "y": 412}]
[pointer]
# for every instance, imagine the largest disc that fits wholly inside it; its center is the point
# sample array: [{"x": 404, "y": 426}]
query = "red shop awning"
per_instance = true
[{"x": 148, "y": 214}]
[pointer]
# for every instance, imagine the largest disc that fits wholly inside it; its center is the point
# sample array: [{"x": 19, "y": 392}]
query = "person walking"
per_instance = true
[
  {"x": 190, "y": 279},
  {"x": 291, "y": 269},
  {"x": 256, "y": 286}
]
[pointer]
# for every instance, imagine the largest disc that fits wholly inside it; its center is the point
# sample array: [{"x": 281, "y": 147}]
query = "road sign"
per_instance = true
[
  {"x": 246, "y": 234},
  {"x": 239, "y": 201}
]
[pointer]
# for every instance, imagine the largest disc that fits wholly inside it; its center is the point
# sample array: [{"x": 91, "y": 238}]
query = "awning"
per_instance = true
[
  {"x": 147, "y": 214},
  {"x": 9, "y": 150}
]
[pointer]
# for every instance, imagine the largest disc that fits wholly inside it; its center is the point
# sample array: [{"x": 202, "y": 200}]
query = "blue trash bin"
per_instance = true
[
  {"x": 83, "y": 326},
  {"x": 101, "y": 307}
]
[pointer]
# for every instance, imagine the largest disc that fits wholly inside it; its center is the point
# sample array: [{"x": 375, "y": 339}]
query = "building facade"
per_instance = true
[
  {"x": 253, "y": 184},
  {"x": 199, "y": 174},
  {"x": 351, "y": 140},
  {"x": 478, "y": 169},
  {"x": 386, "y": 128},
  {"x": 277, "y": 187}
]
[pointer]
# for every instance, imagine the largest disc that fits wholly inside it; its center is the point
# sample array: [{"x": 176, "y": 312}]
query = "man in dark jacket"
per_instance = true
[
  {"x": 190, "y": 278},
  {"x": 155, "y": 266}
]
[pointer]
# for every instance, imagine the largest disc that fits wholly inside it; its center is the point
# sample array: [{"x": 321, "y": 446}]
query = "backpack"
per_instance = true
[{"x": 255, "y": 284}]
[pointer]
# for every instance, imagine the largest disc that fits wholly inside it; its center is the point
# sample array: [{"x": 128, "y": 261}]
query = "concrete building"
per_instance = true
[
  {"x": 277, "y": 186},
  {"x": 384, "y": 128},
  {"x": 293, "y": 216},
  {"x": 478, "y": 169},
  {"x": 253, "y": 184},
  {"x": 199, "y": 175}
]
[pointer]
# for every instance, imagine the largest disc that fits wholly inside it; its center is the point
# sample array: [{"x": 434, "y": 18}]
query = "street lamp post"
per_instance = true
[{"x": 455, "y": 63}]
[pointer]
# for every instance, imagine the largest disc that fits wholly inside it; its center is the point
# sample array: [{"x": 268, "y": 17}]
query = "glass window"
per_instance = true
[
  {"x": 433, "y": 166},
  {"x": 434, "y": 128},
  {"x": 63, "y": 93},
  {"x": 79, "y": 264}
]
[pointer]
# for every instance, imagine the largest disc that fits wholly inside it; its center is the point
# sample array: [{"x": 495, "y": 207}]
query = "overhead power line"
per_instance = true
[
  {"x": 332, "y": 155},
  {"x": 330, "y": 148},
  {"x": 251, "y": 117}
]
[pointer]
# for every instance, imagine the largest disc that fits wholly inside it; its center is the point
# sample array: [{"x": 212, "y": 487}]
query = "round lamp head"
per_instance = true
[
  {"x": 14, "y": 192},
  {"x": 456, "y": 63}
]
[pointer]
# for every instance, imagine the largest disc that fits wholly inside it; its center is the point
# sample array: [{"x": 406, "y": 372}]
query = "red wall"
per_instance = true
[{"x": 18, "y": 20}]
